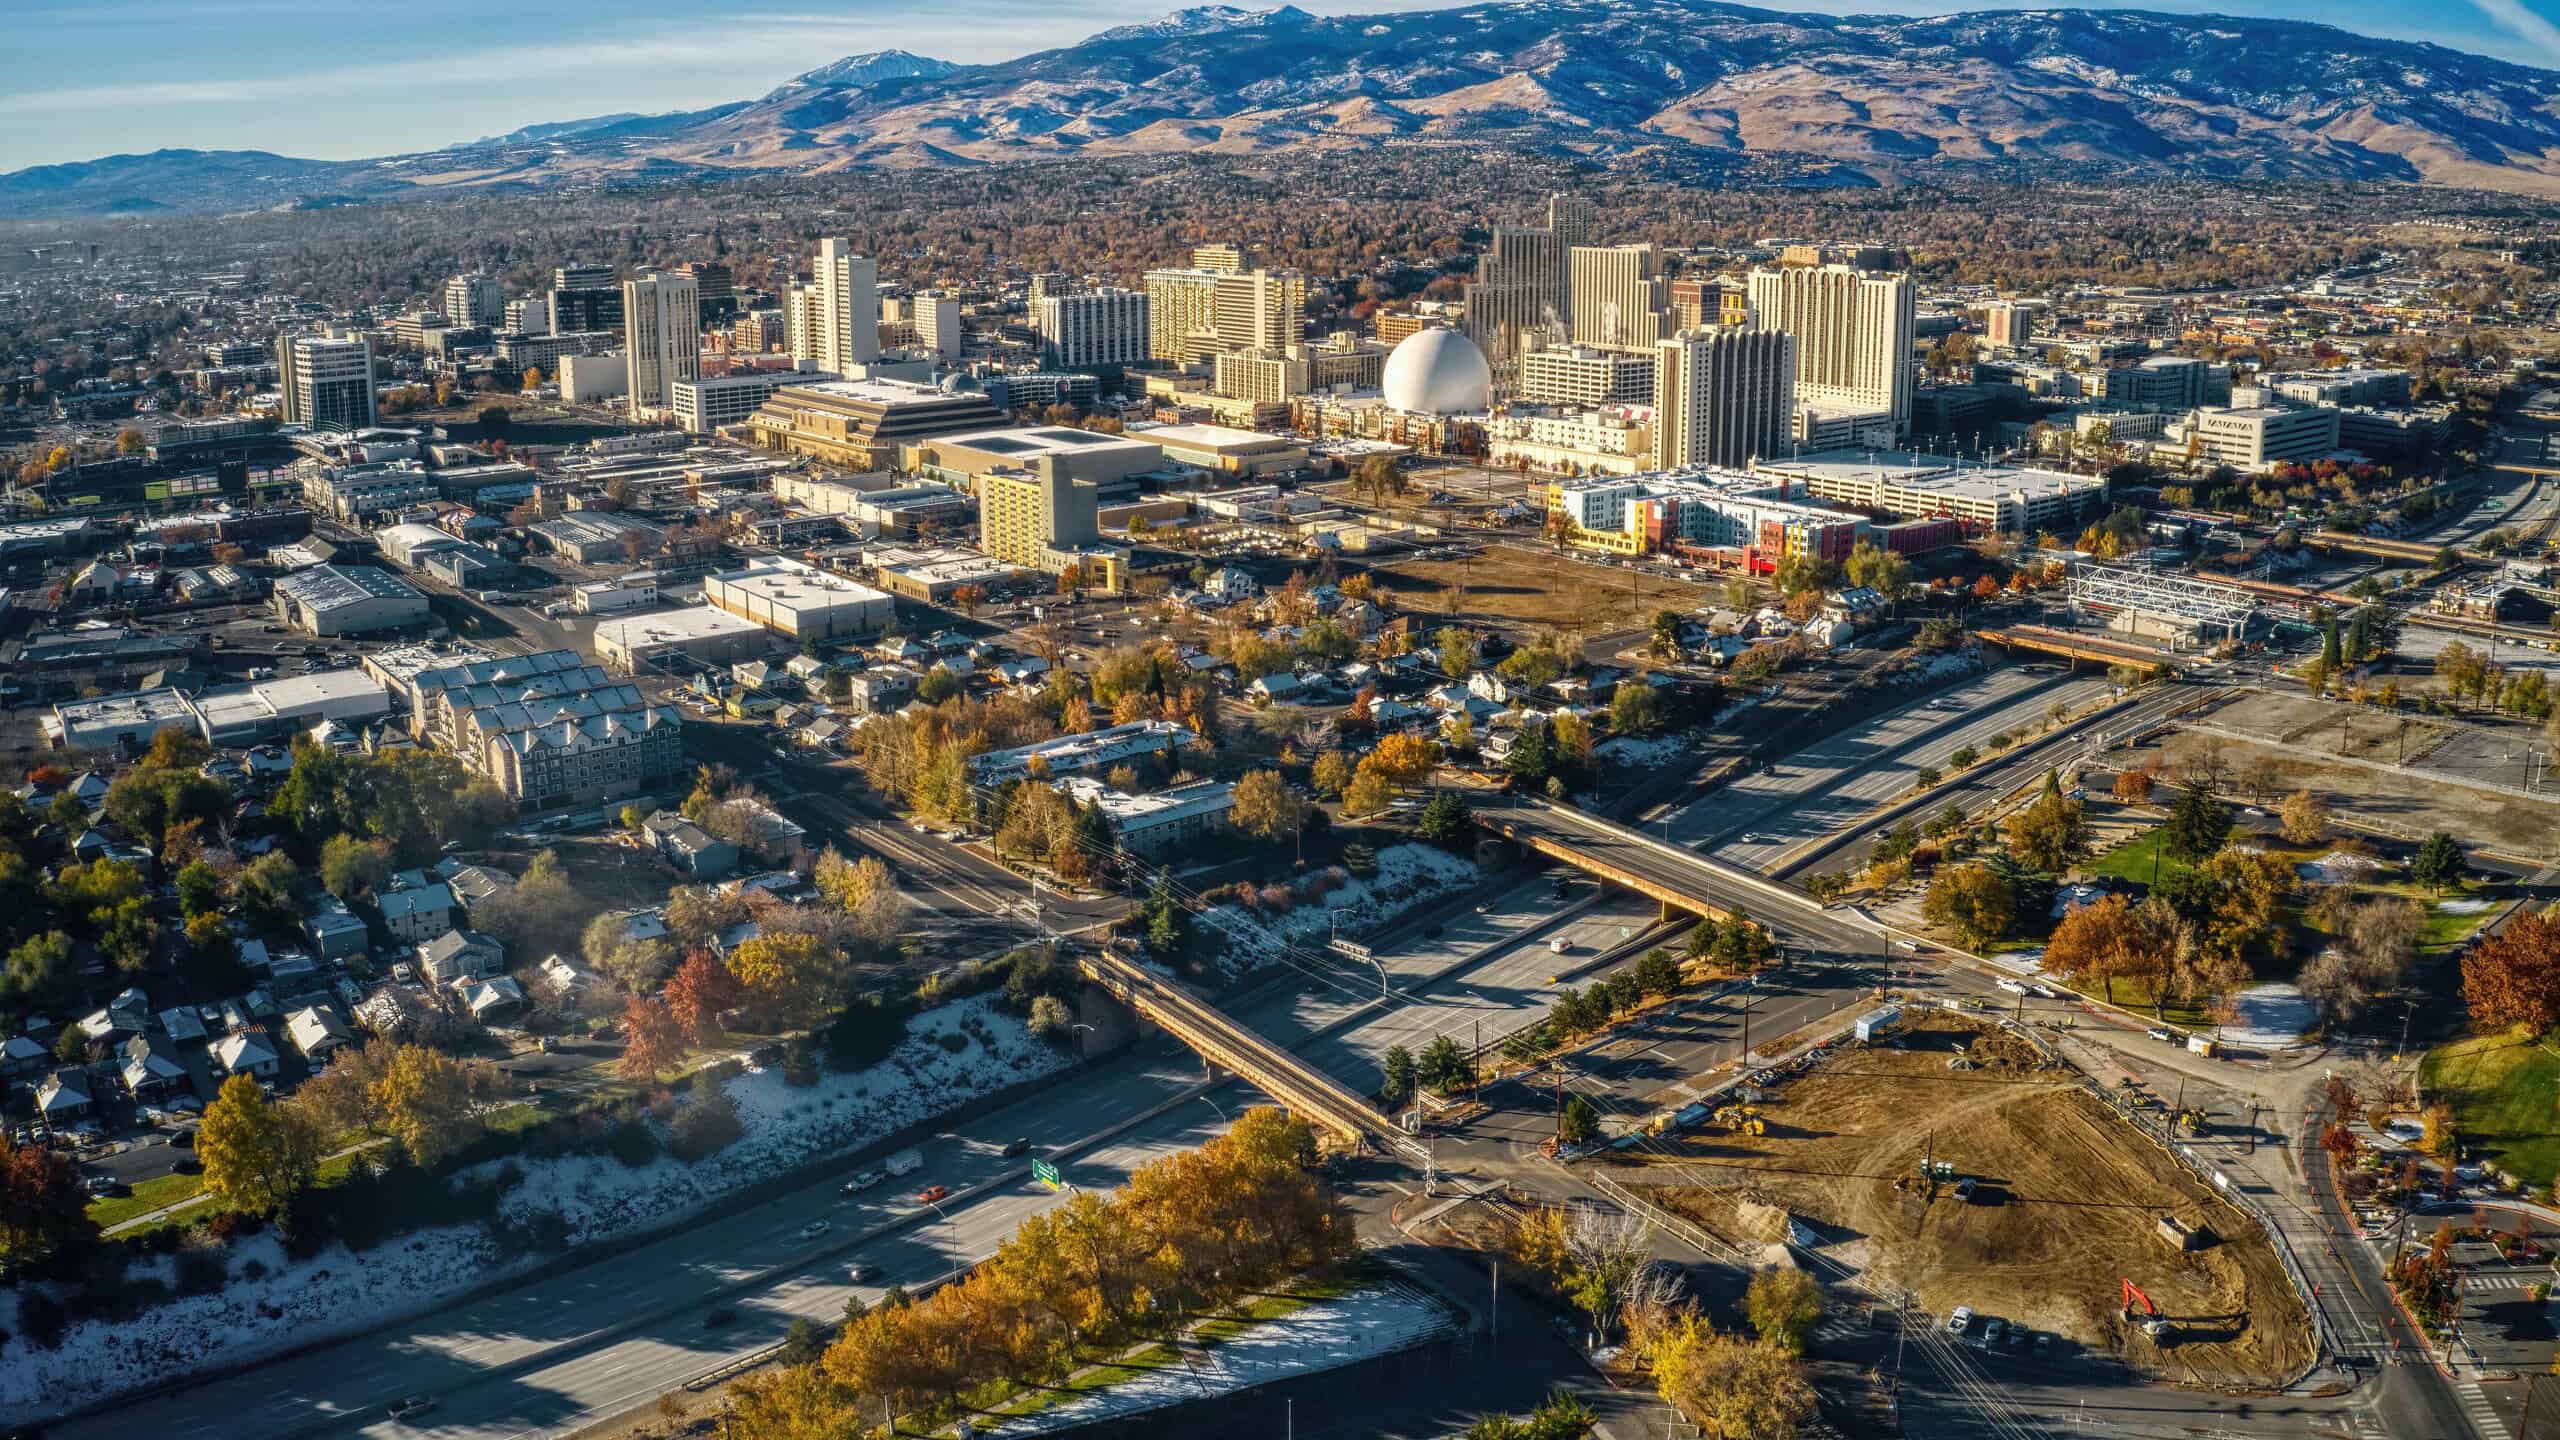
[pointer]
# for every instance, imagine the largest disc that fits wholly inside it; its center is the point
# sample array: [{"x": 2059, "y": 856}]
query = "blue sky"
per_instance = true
[{"x": 340, "y": 79}]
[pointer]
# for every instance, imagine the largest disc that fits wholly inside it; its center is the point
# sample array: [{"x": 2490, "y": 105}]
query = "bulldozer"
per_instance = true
[{"x": 2148, "y": 1316}]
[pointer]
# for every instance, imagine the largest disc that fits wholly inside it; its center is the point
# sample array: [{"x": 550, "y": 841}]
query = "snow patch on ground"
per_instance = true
[
  {"x": 292, "y": 1303},
  {"x": 2464, "y": 907},
  {"x": 2339, "y": 867},
  {"x": 1324, "y": 1336},
  {"x": 2269, "y": 1017},
  {"x": 1645, "y": 754},
  {"x": 781, "y": 1127},
  {"x": 1408, "y": 875},
  {"x": 1951, "y": 666}
]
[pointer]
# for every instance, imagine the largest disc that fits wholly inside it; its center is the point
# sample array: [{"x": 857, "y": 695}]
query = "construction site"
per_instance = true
[{"x": 1949, "y": 1162}]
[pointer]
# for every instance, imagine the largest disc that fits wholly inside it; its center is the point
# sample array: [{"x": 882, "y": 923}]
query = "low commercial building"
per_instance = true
[
  {"x": 1075, "y": 754},
  {"x": 240, "y": 715},
  {"x": 861, "y": 424},
  {"x": 585, "y": 379},
  {"x": 937, "y": 575},
  {"x": 1706, "y": 510},
  {"x": 1165, "y": 823},
  {"x": 593, "y": 537},
  {"x": 1088, "y": 456},
  {"x": 705, "y": 405},
  {"x": 702, "y": 635},
  {"x": 635, "y": 591},
  {"x": 1224, "y": 451},
  {"x": 348, "y": 600},
  {"x": 800, "y": 602},
  {"x": 113, "y": 720},
  {"x": 2258, "y": 437}
]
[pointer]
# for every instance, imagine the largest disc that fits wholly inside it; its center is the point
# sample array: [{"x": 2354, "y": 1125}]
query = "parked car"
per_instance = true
[{"x": 1959, "y": 1320}]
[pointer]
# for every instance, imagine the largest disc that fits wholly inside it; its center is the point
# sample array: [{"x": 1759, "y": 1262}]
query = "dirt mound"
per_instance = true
[{"x": 2063, "y": 1206}]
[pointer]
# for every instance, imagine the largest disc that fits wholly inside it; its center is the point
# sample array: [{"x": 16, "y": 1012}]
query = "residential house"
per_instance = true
[
  {"x": 494, "y": 1001},
  {"x": 1280, "y": 687},
  {"x": 315, "y": 1030},
  {"x": 417, "y": 915},
  {"x": 182, "y": 1024},
  {"x": 568, "y": 982},
  {"x": 335, "y": 931},
  {"x": 20, "y": 1057},
  {"x": 63, "y": 1098},
  {"x": 689, "y": 847},
  {"x": 246, "y": 1052},
  {"x": 151, "y": 1067},
  {"x": 461, "y": 955},
  {"x": 474, "y": 887}
]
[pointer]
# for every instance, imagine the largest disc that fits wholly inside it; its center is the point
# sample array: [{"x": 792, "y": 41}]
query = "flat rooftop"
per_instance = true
[
  {"x": 1935, "y": 474},
  {"x": 881, "y": 391},
  {"x": 1043, "y": 440},
  {"x": 1212, "y": 437},
  {"x": 671, "y": 627}
]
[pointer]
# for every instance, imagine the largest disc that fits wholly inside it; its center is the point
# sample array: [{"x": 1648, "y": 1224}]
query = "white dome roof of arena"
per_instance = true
[{"x": 1438, "y": 372}]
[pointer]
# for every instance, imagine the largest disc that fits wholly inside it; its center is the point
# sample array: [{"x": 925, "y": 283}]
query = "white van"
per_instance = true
[{"x": 1559, "y": 945}]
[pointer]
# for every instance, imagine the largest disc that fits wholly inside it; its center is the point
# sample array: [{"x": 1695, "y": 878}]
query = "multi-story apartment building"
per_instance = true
[
  {"x": 326, "y": 384},
  {"x": 1853, "y": 334},
  {"x": 584, "y": 297},
  {"x": 1340, "y": 361},
  {"x": 662, "y": 334},
  {"x": 758, "y": 332},
  {"x": 1099, "y": 329},
  {"x": 2169, "y": 383},
  {"x": 1723, "y": 395},
  {"x": 1195, "y": 314},
  {"x": 1642, "y": 514}
]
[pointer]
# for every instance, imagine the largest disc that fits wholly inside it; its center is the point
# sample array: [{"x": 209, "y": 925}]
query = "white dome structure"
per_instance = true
[{"x": 1438, "y": 372}]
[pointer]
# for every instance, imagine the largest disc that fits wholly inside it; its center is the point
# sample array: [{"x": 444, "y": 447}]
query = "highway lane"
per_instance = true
[
  {"x": 553, "y": 1352},
  {"x": 530, "y": 1326},
  {"x": 1835, "y": 782}
]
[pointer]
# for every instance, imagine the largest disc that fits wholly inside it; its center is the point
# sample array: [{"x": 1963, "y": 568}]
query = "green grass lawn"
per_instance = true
[
  {"x": 147, "y": 1196},
  {"x": 2133, "y": 860},
  {"x": 2503, "y": 1090}
]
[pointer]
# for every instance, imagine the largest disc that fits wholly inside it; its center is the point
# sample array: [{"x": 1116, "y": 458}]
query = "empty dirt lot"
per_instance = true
[
  {"x": 2066, "y": 1208},
  {"x": 1526, "y": 590}
]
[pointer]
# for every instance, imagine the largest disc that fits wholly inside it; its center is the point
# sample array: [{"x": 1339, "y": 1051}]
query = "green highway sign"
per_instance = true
[{"x": 1045, "y": 1173}]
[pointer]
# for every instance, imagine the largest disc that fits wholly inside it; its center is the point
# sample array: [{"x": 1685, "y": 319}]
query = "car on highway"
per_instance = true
[
  {"x": 863, "y": 1180},
  {"x": 1959, "y": 1320},
  {"x": 933, "y": 1194},
  {"x": 813, "y": 1229},
  {"x": 2012, "y": 986},
  {"x": 2163, "y": 1036},
  {"x": 863, "y": 1273},
  {"x": 410, "y": 1407},
  {"x": 2042, "y": 992},
  {"x": 1017, "y": 1147}
]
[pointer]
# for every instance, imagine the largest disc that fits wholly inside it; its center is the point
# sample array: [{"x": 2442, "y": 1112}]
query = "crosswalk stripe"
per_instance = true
[{"x": 2484, "y": 1417}]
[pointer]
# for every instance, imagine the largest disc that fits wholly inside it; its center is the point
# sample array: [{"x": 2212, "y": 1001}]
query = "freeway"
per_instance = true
[
  {"x": 1835, "y": 782},
  {"x": 559, "y": 1351}
]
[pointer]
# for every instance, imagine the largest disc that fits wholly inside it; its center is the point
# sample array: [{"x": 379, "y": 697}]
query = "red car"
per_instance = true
[{"x": 932, "y": 1193}]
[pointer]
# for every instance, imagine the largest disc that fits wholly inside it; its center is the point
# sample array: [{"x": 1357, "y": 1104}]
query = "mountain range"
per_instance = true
[{"x": 2022, "y": 92}]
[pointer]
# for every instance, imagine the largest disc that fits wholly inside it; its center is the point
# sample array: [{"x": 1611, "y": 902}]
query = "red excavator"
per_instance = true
[{"x": 2148, "y": 1316}]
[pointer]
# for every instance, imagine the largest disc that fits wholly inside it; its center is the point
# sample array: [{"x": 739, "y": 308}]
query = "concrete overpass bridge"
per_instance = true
[
  {"x": 2076, "y": 646},
  {"x": 1306, "y": 1091},
  {"x": 1680, "y": 880}
]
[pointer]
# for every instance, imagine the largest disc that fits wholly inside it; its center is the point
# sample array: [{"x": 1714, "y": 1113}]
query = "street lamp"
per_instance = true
[
  {"x": 1221, "y": 1109},
  {"x": 1079, "y": 1029}
]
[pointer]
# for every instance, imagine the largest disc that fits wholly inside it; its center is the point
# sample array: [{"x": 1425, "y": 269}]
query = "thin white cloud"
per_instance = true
[{"x": 2524, "y": 23}]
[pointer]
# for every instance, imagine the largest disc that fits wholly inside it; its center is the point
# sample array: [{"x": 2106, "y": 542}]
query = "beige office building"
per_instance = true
[
  {"x": 662, "y": 337},
  {"x": 1341, "y": 361},
  {"x": 1196, "y": 314},
  {"x": 1853, "y": 333},
  {"x": 937, "y": 321},
  {"x": 1100, "y": 328},
  {"x": 1522, "y": 281},
  {"x": 840, "y": 328},
  {"x": 1722, "y": 396},
  {"x": 326, "y": 384},
  {"x": 1582, "y": 375},
  {"x": 1620, "y": 299}
]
